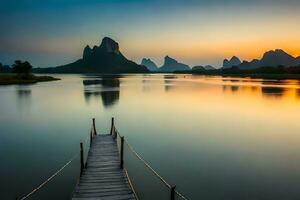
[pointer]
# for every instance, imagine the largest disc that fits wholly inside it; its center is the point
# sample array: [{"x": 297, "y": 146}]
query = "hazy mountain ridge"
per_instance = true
[
  {"x": 200, "y": 67},
  {"x": 149, "y": 64},
  {"x": 209, "y": 67},
  {"x": 273, "y": 58},
  {"x": 171, "y": 65},
  {"x": 234, "y": 61}
]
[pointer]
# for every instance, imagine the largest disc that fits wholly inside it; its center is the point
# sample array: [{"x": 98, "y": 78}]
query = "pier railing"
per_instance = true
[
  {"x": 59, "y": 171},
  {"x": 147, "y": 182}
]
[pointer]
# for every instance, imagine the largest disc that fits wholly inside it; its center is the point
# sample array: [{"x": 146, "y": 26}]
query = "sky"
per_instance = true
[{"x": 196, "y": 32}]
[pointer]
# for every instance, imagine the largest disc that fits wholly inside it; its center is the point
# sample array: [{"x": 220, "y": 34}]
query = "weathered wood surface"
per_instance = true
[{"x": 103, "y": 179}]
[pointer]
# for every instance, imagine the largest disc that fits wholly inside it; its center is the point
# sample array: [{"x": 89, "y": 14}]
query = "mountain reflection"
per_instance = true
[
  {"x": 232, "y": 88},
  {"x": 273, "y": 91},
  {"x": 169, "y": 82},
  {"x": 298, "y": 93},
  {"x": 107, "y": 88},
  {"x": 264, "y": 88},
  {"x": 110, "y": 98}
]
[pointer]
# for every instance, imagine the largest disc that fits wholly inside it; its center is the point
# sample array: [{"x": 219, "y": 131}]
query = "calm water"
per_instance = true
[{"x": 215, "y": 138}]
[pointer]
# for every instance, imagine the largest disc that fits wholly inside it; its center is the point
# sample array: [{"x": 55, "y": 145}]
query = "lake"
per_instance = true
[{"x": 214, "y": 137}]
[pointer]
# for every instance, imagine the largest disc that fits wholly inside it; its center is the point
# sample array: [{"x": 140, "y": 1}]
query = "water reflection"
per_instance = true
[
  {"x": 110, "y": 98},
  {"x": 232, "y": 88},
  {"x": 23, "y": 98},
  {"x": 252, "y": 88},
  {"x": 273, "y": 91},
  {"x": 169, "y": 81},
  {"x": 146, "y": 83},
  {"x": 240, "y": 141},
  {"x": 90, "y": 94},
  {"x": 108, "y": 88},
  {"x": 298, "y": 93}
]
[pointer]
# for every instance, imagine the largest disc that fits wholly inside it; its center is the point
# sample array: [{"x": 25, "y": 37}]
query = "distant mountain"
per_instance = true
[
  {"x": 87, "y": 52},
  {"x": 234, "y": 61},
  {"x": 171, "y": 65},
  {"x": 198, "y": 68},
  {"x": 278, "y": 57},
  {"x": 250, "y": 65},
  {"x": 272, "y": 58},
  {"x": 209, "y": 67},
  {"x": 203, "y": 68},
  {"x": 149, "y": 64},
  {"x": 105, "y": 58}
]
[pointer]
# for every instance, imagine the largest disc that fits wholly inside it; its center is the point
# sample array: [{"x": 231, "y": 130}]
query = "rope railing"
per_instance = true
[
  {"x": 49, "y": 179},
  {"x": 41, "y": 185},
  {"x": 180, "y": 195},
  {"x": 148, "y": 166},
  {"x": 115, "y": 133}
]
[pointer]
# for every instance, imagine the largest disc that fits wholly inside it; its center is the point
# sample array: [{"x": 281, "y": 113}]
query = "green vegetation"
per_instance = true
[
  {"x": 8, "y": 79},
  {"x": 21, "y": 67},
  {"x": 22, "y": 74}
]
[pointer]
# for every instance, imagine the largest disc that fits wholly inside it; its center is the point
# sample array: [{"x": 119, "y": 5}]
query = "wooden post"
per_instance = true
[
  {"x": 91, "y": 138},
  {"x": 81, "y": 159},
  {"x": 173, "y": 192},
  {"x": 94, "y": 126},
  {"x": 122, "y": 153},
  {"x": 112, "y": 125}
]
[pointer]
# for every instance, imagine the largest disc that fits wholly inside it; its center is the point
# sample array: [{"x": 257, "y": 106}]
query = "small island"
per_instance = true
[{"x": 20, "y": 73}]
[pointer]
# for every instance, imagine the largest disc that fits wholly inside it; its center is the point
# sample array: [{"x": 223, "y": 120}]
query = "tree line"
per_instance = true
[{"x": 18, "y": 67}]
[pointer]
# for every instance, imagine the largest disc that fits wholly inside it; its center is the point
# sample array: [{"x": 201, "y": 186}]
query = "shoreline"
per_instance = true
[
  {"x": 241, "y": 75},
  {"x": 250, "y": 75},
  {"x": 259, "y": 76},
  {"x": 16, "y": 79}
]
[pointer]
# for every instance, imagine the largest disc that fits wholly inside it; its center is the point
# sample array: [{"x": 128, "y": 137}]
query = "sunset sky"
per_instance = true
[{"x": 54, "y": 32}]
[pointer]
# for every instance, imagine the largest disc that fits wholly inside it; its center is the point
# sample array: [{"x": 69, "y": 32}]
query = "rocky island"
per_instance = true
[{"x": 106, "y": 59}]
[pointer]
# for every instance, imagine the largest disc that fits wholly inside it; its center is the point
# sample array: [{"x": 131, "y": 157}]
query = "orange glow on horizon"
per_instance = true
[{"x": 199, "y": 51}]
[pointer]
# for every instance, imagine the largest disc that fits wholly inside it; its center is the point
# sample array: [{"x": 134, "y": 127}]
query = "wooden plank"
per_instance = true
[
  {"x": 102, "y": 178},
  {"x": 114, "y": 197}
]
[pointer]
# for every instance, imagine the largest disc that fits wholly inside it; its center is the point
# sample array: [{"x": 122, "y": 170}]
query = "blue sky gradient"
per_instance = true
[{"x": 54, "y": 32}]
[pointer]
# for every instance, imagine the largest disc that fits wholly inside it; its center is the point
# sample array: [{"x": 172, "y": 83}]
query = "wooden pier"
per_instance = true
[{"x": 103, "y": 176}]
